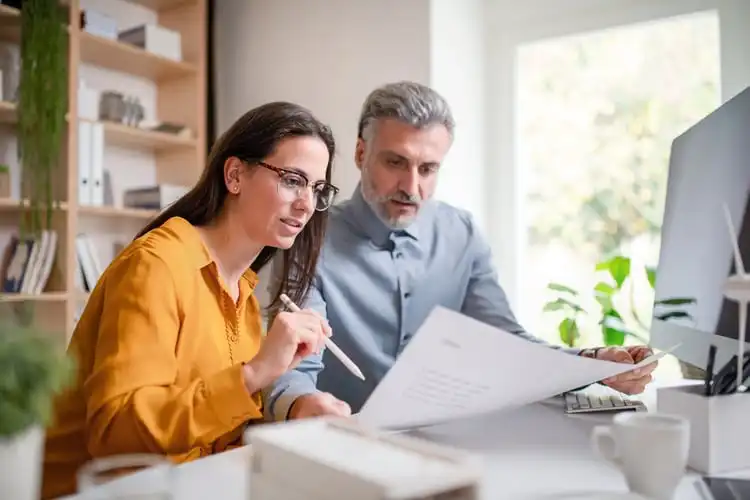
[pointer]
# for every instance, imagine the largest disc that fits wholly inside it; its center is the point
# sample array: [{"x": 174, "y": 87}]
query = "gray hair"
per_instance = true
[{"x": 409, "y": 102}]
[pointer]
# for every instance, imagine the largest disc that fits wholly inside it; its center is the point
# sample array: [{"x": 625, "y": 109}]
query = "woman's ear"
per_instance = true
[{"x": 232, "y": 169}]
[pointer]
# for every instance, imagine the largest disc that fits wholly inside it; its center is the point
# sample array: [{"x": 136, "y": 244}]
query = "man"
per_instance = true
[{"x": 392, "y": 254}]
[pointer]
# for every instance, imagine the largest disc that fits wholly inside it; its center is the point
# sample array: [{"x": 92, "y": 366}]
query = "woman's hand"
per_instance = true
[{"x": 292, "y": 337}]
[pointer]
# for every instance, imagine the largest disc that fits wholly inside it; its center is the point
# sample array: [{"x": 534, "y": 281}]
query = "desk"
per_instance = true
[{"x": 532, "y": 453}]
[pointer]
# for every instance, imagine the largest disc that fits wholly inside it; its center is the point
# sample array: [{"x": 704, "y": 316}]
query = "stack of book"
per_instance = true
[{"x": 27, "y": 263}]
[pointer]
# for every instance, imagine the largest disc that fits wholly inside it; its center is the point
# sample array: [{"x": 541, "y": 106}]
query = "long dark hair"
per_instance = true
[{"x": 252, "y": 138}]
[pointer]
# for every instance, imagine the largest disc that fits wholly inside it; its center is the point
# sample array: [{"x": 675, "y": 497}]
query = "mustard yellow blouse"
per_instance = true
[{"x": 159, "y": 349}]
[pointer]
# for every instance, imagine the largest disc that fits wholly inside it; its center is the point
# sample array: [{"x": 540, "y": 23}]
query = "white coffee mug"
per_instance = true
[{"x": 651, "y": 450}]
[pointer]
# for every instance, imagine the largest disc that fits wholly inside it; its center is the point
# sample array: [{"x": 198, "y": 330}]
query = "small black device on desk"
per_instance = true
[
  {"x": 725, "y": 380},
  {"x": 721, "y": 488}
]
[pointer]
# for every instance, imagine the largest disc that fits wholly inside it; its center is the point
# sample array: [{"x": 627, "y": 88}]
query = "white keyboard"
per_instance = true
[{"x": 579, "y": 402}]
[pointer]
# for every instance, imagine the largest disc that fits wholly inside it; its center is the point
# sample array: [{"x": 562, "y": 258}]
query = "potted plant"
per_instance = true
[
  {"x": 33, "y": 369},
  {"x": 617, "y": 318},
  {"x": 42, "y": 105}
]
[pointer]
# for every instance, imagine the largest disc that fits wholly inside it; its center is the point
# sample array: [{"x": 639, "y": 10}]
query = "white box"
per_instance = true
[
  {"x": 155, "y": 39},
  {"x": 336, "y": 459},
  {"x": 88, "y": 102},
  {"x": 99, "y": 24},
  {"x": 719, "y": 441}
]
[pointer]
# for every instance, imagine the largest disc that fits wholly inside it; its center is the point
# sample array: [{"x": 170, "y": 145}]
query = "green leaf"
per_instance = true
[
  {"x": 612, "y": 319},
  {"x": 613, "y": 336},
  {"x": 672, "y": 315},
  {"x": 651, "y": 276},
  {"x": 603, "y": 293},
  {"x": 618, "y": 267},
  {"x": 604, "y": 288},
  {"x": 561, "y": 304},
  {"x": 562, "y": 288},
  {"x": 569, "y": 331},
  {"x": 33, "y": 368},
  {"x": 677, "y": 301}
]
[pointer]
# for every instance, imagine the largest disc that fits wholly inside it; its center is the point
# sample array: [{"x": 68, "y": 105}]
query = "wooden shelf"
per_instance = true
[
  {"x": 10, "y": 204},
  {"x": 180, "y": 90},
  {"x": 10, "y": 24},
  {"x": 117, "y": 212},
  {"x": 117, "y": 134},
  {"x": 158, "y": 5},
  {"x": 41, "y": 297},
  {"x": 8, "y": 112},
  {"x": 125, "y": 58},
  {"x": 123, "y": 135}
]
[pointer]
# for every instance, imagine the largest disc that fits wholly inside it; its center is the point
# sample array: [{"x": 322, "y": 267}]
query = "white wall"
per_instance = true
[
  {"x": 457, "y": 72},
  {"x": 325, "y": 54}
]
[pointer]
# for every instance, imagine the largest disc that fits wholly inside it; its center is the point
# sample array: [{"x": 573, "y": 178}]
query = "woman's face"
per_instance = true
[{"x": 273, "y": 209}]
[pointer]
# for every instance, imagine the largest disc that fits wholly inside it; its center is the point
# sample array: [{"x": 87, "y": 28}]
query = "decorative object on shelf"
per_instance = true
[
  {"x": 10, "y": 65},
  {"x": 42, "y": 107},
  {"x": 33, "y": 369},
  {"x": 174, "y": 129},
  {"x": 115, "y": 107},
  {"x": 156, "y": 197},
  {"x": 4, "y": 181},
  {"x": 155, "y": 39},
  {"x": 613, "y": 317}
]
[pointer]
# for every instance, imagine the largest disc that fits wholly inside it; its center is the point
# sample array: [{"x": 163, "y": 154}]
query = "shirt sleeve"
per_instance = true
[
  {"x": 281, "y": 394},
  {"x": 485, "y": 299},
  {"x": 132, "y": 402}
]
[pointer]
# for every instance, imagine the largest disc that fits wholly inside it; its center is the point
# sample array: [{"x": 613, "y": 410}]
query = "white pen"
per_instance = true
[{"x": 329, "y": 343}]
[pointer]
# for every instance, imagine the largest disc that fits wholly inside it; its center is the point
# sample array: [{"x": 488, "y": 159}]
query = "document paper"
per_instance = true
[{"x": 457, "y": 367}]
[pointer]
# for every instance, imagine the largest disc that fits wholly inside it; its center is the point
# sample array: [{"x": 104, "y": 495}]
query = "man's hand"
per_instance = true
[
  {"x": 317, "y": 405},
  {"x": 632, "y": 382}
]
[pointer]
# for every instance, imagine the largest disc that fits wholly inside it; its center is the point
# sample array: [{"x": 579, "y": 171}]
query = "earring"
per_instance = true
[{"x": 235, "y": 189}]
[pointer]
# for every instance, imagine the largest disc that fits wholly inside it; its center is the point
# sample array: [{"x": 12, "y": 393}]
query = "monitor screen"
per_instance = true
[{"x": 709, "y": 166}]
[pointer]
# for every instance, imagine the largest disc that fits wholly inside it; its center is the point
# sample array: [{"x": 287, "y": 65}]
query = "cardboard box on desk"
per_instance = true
[
  {"x": 329, "y": 459},
  {"x": 719, "y": 438}
]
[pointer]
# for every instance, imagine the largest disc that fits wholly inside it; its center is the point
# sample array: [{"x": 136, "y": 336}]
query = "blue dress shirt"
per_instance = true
[{"x": 376, "y": 286}]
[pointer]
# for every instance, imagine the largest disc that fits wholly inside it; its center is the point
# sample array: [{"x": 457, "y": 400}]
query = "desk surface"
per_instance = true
[{"x": 535, "y": 452}]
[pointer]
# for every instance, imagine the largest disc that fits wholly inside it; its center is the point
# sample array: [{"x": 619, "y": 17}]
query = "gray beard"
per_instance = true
[{"x": 379, "y": 208}]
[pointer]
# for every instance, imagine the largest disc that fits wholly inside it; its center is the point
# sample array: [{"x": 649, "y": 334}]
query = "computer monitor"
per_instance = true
[{"x": 709, "y": 166}]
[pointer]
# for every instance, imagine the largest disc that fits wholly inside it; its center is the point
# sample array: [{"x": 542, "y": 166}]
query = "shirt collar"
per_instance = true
[
  {"x": 366, "y": 218},
  {"x": 196, "y": 250}
]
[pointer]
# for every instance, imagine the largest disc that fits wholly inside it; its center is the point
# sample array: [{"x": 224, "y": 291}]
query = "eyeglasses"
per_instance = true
[{"x": 292, "y": 185}]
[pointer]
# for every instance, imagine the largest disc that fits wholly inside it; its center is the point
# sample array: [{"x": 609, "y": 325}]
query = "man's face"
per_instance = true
[{"x": 399, "y": 165}]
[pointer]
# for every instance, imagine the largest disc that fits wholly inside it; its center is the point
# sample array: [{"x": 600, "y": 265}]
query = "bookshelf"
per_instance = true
[{"x": 170, "y": 91}]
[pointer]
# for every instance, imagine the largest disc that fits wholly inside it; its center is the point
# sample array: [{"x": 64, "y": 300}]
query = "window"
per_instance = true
[{"x": 596, "y": 114}]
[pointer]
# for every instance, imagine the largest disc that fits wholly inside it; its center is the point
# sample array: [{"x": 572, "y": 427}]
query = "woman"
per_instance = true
[{"x": 169, "y": 348}]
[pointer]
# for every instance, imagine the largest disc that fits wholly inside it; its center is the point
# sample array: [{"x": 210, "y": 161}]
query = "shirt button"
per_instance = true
[
  {"x": 407, "y": 295},
  {"x": 399, "y": 255}
]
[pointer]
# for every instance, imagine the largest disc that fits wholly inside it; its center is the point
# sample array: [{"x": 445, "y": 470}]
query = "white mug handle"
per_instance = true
[{"x": 604, "y": 443}]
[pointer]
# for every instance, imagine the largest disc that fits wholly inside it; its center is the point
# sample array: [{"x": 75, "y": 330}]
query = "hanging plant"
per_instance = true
[{"x": 42, "y": 105}]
